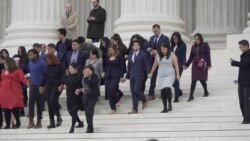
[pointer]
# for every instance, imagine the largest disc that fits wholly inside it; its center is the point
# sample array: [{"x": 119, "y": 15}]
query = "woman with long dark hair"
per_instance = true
[
  {"x": 105, "y": 44},
  {"x": 201, "y": 63},
  {"x": 54, "y": 81},
  {"x": 5, "y": 53},
  {"x": 168, "y": 71},
  {"x": 11, "y": 92},
  {"x": 73, "y": 82},
  {"x": 24, "y": 66},
  {"x": 179, "y": 47},
  {"x": 117, "y": 41},
  {"x": 91, "y": 93},
  {"x": 142, "y": 40},
  {"x": 114, "y": 71}
]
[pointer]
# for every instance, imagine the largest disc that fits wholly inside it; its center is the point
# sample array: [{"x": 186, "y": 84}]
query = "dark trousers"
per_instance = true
[
  {"x": 136, "y": 86},
  {"x": 176, "y": 85},
  {"x": 52, "y": 95},
  {"x": 7, "y": 115},
  {"x": 193, "y": 85},
  {"x": 94, "y": 40},
  {"x": 25, "y": 95},
  {"x": 244, "y": 99},
  {"x": 89, "y": 106},
  {"x": 153, "y": 83},
  {"x": 1, "y": 118},
  {"x": 166, "y": 96},
  {"x": 111, "y": 87},
  {"x": 38, "y": 98},
  {"x": 73, "y": 111}
]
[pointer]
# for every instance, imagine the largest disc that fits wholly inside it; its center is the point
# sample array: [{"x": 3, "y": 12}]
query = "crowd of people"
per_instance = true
[{"x": 80, "y": 68}]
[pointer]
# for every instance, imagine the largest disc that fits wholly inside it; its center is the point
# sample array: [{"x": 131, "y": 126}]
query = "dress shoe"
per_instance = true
[
  {"x": 246, "y": 122},
  {"x": 90, "y": 129},
  {"x": 144, "y": 104},
  {"x": 151, "y": 98},
  {"x": 176, "y": 100},
  {"x": 80, "y": 125},
  {"x": 52, "y": 124},
  {"x": 133, "y": 112},
  {"x": 164, "y": 110}
]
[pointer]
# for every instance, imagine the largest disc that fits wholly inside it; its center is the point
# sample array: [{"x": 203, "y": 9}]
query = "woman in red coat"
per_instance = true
[{"x": 11, "y": 91}]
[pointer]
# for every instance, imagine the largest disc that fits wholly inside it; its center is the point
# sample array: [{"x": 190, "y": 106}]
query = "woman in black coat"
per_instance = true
[
  {"x": 74, "y": 99},
  {"x": 179, "y": 47},
  {"x": 91, "y": 92},
  {"x": 54, "y": 81}
]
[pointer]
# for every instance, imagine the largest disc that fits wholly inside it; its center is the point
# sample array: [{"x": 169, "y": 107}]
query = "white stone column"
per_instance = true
[
  {"x": 138, "y": 16},
  {"x": 247, "y": 29},
  {"x": 5, "y": 14},
  {"x": 33, "y": 21},
  {"x": 217, "y": 18}
]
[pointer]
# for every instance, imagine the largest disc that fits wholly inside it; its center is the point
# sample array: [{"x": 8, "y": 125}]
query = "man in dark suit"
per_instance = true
[
  {"x": 96, "y": 20},
  {"x": 76, "y": 56},
  {"x": 155, "y": 42},
  {"x": 244, "y": 80},
  {"x": 63, "y": 46},
  {"x": 138, "y": 68}
]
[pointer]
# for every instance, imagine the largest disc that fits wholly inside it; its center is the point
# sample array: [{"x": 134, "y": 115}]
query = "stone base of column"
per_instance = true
[
  {"x": 126, "y": 26},
  {"x": 247, "y": 30},
  {"x": 233, "y": 40},
  {"x": 26, "y": 34}
]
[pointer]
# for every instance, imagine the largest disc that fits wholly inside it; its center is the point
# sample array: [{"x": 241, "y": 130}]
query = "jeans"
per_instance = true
[{"x": 35, "y": 97}]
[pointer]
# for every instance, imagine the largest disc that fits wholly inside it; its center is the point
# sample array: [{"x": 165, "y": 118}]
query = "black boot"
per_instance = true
[
  {"x": 7, "y": 127},
  {"x": 52, "y": 124},
  {"x": 169, "y": 98},
  {"x": 22, "y": 113},
  {"x": 59, "y": 121},
  {"x": 17, "y": 125},
  {"x": 90, "y": 129},
  {"x": 176, "y": 100},
  {"x": 206, "y": 94},
  {"x": 80, "y": 125},
  {"x": 164, "y": 100},
  {"x": 191, "y": 98},
  {"x": 72, "y": 129}
]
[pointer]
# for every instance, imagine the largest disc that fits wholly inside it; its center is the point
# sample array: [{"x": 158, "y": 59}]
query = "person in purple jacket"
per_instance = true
[{"x": 201, "y": 63}]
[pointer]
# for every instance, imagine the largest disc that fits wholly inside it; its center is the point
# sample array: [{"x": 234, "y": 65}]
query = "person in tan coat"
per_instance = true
[{"x": 69, "y": 21}]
